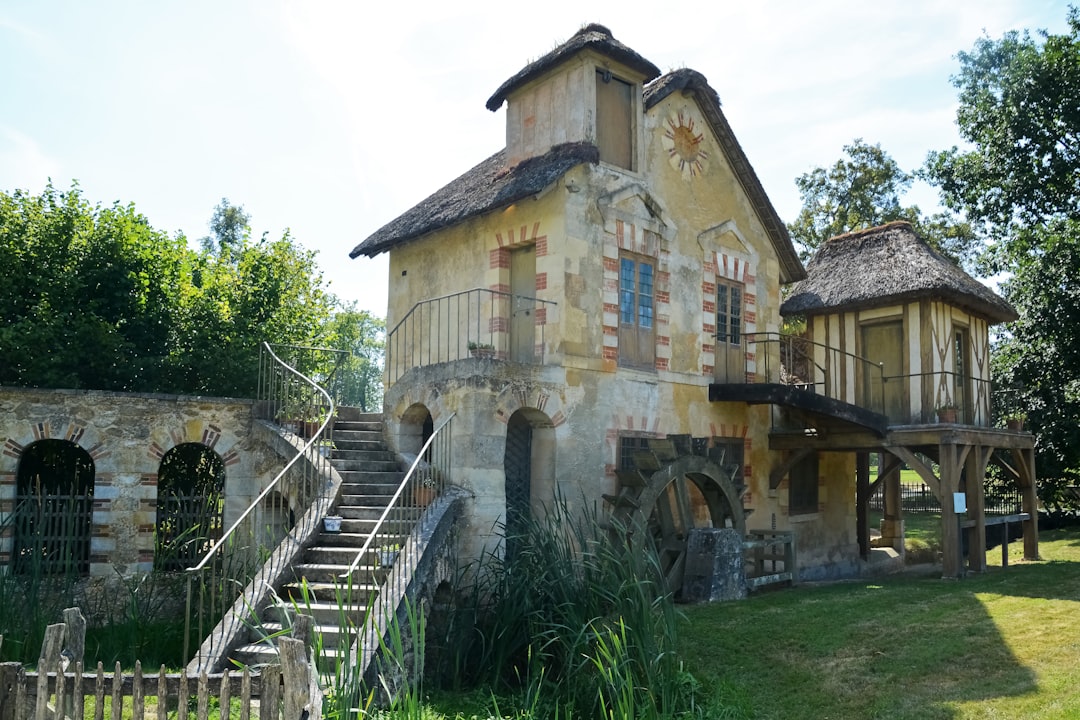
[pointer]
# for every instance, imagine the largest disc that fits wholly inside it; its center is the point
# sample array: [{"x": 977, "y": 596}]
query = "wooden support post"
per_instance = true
[
  {"x": 1025, "y": 466},
  {"x": 974, "y": 477},
  {"x": 862, "y": 502},
  {"x": 951, "y": 565},
  {"x": 893, "y": 515}
]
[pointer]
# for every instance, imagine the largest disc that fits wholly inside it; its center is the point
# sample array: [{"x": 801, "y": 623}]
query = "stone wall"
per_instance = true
[{"x": 126, "y": 436}]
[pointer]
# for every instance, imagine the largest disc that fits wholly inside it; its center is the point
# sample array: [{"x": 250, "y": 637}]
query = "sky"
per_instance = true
[{"x": 332, "y": 117}]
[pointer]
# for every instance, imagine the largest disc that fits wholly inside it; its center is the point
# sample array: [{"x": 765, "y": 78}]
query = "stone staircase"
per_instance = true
[{"x": 317, "y": 587}]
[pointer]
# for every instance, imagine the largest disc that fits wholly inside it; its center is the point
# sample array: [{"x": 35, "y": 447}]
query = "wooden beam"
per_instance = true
[
  {"x": 776, "y": 476},
  {"x": 916, "y": 464}
]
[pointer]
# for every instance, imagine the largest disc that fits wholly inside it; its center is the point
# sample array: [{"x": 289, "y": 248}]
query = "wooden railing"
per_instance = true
[{"x": 62, "y": 687}]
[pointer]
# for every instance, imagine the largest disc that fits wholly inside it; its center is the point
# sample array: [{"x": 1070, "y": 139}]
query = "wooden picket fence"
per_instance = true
[{"x": 62, "y": 689}]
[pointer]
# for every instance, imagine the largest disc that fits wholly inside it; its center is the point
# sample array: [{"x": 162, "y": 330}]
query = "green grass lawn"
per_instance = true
[{"x": 1003, "y": 644}]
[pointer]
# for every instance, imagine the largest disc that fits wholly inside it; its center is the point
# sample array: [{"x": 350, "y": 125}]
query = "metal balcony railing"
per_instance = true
[
  {"x": 915, "y": 398},
  {"x": 473, "y": 323}
]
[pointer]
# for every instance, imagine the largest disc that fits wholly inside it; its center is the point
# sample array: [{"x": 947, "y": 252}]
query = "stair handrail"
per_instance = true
[
  {"x": 437, "y": 477},
  {"x": 280, "y": 385}
]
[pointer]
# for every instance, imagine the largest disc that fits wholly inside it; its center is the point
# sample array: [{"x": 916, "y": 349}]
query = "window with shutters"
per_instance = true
[
  {"x": 614, "y": 120},
  {"x": 729, "y": 307},
  {"x": 637, "y": 312}
]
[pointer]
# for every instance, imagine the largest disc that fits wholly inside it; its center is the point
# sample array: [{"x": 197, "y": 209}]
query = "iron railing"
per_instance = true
[
  {"x": 919, "y": 498},
  {"x": 914, "y": 398},
  {"x": 245, "y": 552},
  {"x": 472, "y": 323},
  {"x": 391, "y": 551}
]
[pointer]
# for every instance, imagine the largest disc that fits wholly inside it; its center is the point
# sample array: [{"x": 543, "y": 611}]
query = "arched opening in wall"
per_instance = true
[
  {"x": 53, "y": 509},
  {"x": 190, "y": 505},
  {"x": 277, "y": 519},
  {"x": 529, "y": 467},
  {"x": 416, "y": 427}
]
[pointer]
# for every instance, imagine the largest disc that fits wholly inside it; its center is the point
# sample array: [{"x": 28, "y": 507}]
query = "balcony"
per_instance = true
[
  {"x": 792, "y": 371},
  {"x": 478, "y": 323}
]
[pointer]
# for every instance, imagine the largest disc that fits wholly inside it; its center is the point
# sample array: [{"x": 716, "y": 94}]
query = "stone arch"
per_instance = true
[
  {"x": 518, "y": 395},
  {"x": 54, "y": 498},
  {"x": 415, "y": 427},
  {"x": 190, "y": 505},
  {"x": 529, "y": 469}
]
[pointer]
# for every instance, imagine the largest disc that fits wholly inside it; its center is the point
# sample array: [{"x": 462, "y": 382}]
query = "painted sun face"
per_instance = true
[{"x": 683, "y": 144}]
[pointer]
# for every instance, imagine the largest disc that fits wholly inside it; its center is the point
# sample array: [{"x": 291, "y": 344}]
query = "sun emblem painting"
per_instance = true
[{"x": 683, "y": 144}]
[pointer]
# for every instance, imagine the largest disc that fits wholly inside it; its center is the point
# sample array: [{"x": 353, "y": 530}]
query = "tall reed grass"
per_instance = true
[{"x": 575, "y": 622}]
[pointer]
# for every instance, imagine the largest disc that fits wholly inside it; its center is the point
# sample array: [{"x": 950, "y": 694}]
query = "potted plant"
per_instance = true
[
  {"x": 425, "y": 488},
  {"x": 386, "y": 555},
  {"x": 1015, "y": 421},
  {"x": 946, "y": 412},
  {"x": 481, "y": 349}
]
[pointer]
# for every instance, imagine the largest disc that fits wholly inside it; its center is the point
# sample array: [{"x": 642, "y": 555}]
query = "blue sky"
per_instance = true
[{"x": 331, "y": 118}]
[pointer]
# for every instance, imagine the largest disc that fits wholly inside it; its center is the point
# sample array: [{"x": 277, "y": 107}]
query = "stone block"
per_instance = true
[{"x": 714, "y": 566}]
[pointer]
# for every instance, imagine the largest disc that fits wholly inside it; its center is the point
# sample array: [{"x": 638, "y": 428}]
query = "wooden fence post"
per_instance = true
[
  {"x": 75, "y": 637},
  {"x": 303, "y": 699},
  {"x": 12, "y": 677}
]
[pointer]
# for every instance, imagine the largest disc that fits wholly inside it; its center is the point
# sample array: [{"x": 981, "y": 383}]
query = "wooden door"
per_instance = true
[
  {"x": 962, "y": 376},
  {"x": 883, "y": 344},
  {"x": 523, "y": 304}
]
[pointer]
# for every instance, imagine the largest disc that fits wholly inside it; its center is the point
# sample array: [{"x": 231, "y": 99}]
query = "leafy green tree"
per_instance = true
[
  {"x": 360, "y": 376},
  {"x": 1020, "y": 110},
  {"x": 229, "y": 228},
  {"x": 96, "y": 298},
  {"x": 863, "y": 190}
]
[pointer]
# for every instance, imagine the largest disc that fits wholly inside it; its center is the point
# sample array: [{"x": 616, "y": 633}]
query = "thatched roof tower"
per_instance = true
[{"x": 888, "y": 265}]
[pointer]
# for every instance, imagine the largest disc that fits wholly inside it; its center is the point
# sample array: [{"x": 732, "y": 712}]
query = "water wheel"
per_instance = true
[{"x": 675, "y": 486}]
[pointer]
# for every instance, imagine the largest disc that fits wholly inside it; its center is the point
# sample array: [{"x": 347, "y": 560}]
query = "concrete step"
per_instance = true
[{"x": 380, "y": 463}]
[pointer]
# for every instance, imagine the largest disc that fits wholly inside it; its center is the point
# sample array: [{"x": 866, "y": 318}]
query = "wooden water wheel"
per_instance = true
[{"x": 671, "y": 490}]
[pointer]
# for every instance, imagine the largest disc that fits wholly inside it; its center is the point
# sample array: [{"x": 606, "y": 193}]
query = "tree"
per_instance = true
[
  {"x": 1020, "y": 109},
  {"x": 863, "y": 190},
  {"x": 360, "y": 376},
  {"x": 229, "y": 228},
  {"x": 97, "y": 298}
]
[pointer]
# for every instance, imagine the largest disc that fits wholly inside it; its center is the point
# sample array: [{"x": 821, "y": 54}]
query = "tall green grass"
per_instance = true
[{"x": 574, "y": 623}]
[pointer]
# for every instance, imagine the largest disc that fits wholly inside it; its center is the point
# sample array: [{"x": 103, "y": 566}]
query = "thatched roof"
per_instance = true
[
  {"x": 887, "y": 265},
  {"x": 691, "y": 82},
  {"x": 487, "y": 186},
  {"x": 594, "y": 37}
]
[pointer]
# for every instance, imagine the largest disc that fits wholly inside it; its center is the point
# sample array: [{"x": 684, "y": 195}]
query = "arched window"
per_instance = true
[
  {"x": 53, "y": 509},
  {"x": 190, "y": 504}
]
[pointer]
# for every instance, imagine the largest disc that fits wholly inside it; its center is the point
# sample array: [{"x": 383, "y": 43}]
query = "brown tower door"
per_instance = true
[
  {"x": 523, "y": 304},
  {"x": 883, "y": 344}
]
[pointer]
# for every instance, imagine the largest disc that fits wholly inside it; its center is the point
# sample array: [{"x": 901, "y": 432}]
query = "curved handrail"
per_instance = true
[
  {"x": 273, "y": 483},
  {"x": 395, "y": 500},
  {"x": 282, "y": 382}
]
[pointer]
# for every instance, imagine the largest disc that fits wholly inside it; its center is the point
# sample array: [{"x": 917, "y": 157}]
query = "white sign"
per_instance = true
[{"x": 959, "y": 503}]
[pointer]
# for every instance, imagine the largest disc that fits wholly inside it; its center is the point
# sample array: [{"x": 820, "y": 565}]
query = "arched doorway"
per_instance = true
[
  {"x": 53, "y": 509},
  {"x": 529, "y": 469},
  {"x": 190, "y": 505}
]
